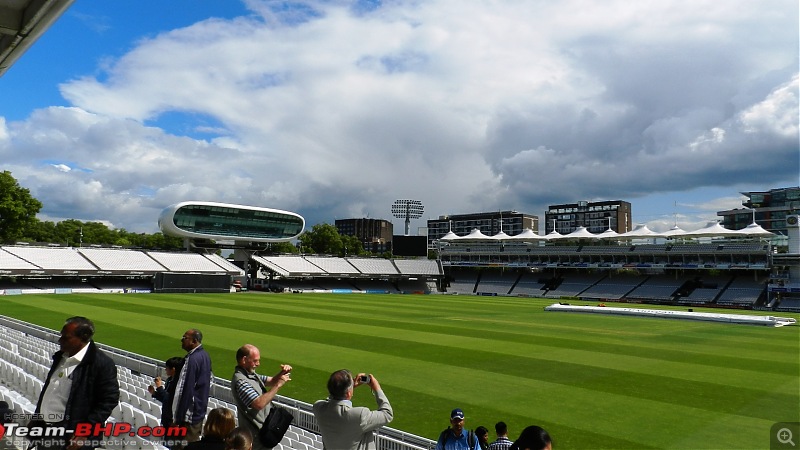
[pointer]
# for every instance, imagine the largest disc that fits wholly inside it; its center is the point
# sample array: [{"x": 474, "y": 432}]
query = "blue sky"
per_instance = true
[{"x": 334, "y": 109}]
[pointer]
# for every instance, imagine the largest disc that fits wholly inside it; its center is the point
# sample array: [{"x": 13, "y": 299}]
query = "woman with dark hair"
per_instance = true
[
  {"x": 164, "y": 390},
  {"x": 533, "y": 438},
  {"x": 483, "y": 437},
  {"x": 219, "y": 423},
  {"x": 239, "y": 438}
]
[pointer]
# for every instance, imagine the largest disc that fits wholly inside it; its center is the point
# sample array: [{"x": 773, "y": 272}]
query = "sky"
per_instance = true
[{"x": 335, "y": 109}]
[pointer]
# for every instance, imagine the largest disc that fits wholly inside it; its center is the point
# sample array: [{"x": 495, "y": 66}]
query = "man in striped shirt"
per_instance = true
[
  {"x": 502, "y": 442},
  {"x": 253, "y": 393}
]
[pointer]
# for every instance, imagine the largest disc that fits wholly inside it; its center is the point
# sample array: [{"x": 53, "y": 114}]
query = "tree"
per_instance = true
[
  {"x": 352, "y": 246},
  {"x": 282, "y": 247},
  {"x": 323, "y": 239},
  {"x": 18, "y": 208}
]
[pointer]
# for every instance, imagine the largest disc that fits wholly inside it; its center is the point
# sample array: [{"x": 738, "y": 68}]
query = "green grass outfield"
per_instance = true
[{"x": 592, "y": 381}]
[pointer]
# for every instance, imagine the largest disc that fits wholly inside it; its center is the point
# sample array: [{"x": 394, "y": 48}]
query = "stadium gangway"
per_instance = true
[{"x": 393, "y": 439}]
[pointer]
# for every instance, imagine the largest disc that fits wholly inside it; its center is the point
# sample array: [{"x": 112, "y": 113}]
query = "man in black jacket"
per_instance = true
[{"x": 81, "y": 386}]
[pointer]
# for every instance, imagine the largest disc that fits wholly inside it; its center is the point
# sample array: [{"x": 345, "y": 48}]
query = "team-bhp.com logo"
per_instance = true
[{"x": 91, "y": 433}]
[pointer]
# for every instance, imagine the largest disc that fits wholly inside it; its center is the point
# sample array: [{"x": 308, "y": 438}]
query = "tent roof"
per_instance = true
[
  {"x": 641, "y": 231},
  {"x": 713, "y": 229},
  {"x": 450, "y": 236},
  {"x": 580, "y": 233},
  {"x": 553, "y": 235},
  {"x": 527, "y": 235},
  {"x": 476, "y": 234},
  {"x": 755, "y": 229},
  {"x": 675, "y": 231},
  {"x": 608, "y": 234},
  {"x": 501, "y": 236}
]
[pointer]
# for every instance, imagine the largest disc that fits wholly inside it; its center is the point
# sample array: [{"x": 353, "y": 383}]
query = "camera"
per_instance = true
[{"x": 364, "y": 379}]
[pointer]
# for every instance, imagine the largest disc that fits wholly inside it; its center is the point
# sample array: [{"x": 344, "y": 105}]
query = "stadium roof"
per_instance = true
[
  {"x": 22, "y": 22},
  {"x": 712, "y": 230}
]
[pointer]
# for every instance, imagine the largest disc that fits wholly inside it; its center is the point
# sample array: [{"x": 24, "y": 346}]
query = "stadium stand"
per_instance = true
[
  {"x": 657, "y": 288},
  {"x": 121, "y": 260},
  {"x": 742, "y": 291},
  {"x": 418, "y": 267},
  {"x": 573, "y": 284},
  {"x": 185, "y": 262},
  {"x": 25, "y": 353},
  {"x": 613, "y": 288},
  {"x": 462, "y": 281},
  {"x": 291, "y": 265},
  {"x": 54, "y": 258},
  {"x": 333, "y": 265},
  {"x": 496, "y": 282},
  {"x": 374, "y": 266},
  {"x": 10, "y": 261},
  {"x": 529, "y": 284}
]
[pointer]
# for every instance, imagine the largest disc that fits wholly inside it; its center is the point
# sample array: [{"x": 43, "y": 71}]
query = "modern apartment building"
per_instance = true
[
  {"x": 374, "y": 234},
  {"x": 595, "y": 216},
  {"x": 768, "y": 208},
  {"x": 489, "y": 223}
]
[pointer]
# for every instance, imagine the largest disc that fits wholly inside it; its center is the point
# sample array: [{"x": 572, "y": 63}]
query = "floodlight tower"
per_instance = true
[{"x": 407, "y": 209}]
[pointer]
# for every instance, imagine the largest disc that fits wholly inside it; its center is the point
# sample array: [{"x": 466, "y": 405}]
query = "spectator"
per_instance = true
[
  {"x": 251, "y": 394},
  {"x": 344, "y": 426},
  {"x": 533, "y": 438},
  {"x": 219, "y": 423},
  {"x": 455, "y": 437},
  {"x": 80, "y": 387},
  {"x": 483, "y": 437},
  {"x": 239, "y": 438},
  {"x": 6, "y": 413},
  {"x": 194, "y": 381},
  {"x": 164, "y": 390},
  {"x": 502, "y": 442}
]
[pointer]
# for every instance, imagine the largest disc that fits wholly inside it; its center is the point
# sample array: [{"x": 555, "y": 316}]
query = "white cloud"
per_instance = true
[{"x": 464, "y": 105}]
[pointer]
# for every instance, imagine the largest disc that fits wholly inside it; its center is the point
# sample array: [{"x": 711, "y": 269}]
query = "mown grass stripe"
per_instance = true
[{"x": 318, "y": 335}]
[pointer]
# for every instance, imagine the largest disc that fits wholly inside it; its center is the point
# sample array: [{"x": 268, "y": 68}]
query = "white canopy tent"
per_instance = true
[
  {"x": 608, "y": 234},
  {"x": 579, "y": 233},
  {"x": 713, "y": 229},
  {"x": 640, "y": 232},
  {"x": 755, "y": 229},
  {"x": 527, "y": 235}
]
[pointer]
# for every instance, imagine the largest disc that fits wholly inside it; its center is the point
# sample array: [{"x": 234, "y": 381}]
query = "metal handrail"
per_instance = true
[{"x": 386, "y": 438}]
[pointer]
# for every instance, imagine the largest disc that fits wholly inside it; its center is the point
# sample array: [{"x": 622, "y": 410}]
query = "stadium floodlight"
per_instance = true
[{"x": 407, "y": 209}]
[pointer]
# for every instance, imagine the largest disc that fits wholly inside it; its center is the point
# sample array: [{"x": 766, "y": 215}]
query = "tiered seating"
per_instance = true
[
  {"x": 492, "y": 282},
  {"x": 613, "y": 288},
  {"x": 294, "y": 264},
  {"x": 418, "y": 267},
  {"x": 52, "y": 258},
  {"x": 333, "y": 265},
  {"x": 742, "y": 291},
  {"x": 10, "y": 261},
  {"x": 463, "y": 282},
  {"x": 701, "y": 295},
  {"x": 374, "y": 266},
  {"x": 528, "y": 284},
  {"x": 573, "y": 285},
  {"x": 185, "y": 262},
  {"x": 225, "y": 264},
  {"x": 115, "y": 259},
  {"x": 656, "y": 288}
]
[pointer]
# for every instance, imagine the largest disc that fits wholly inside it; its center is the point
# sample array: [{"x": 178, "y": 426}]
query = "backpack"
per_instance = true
[{"x": 470, "y": 438}]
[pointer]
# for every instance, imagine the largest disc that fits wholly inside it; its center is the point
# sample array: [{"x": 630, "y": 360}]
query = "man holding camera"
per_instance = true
[
  {"x": 250, "y": 390},
  {"x": 344, "y": 426}
]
